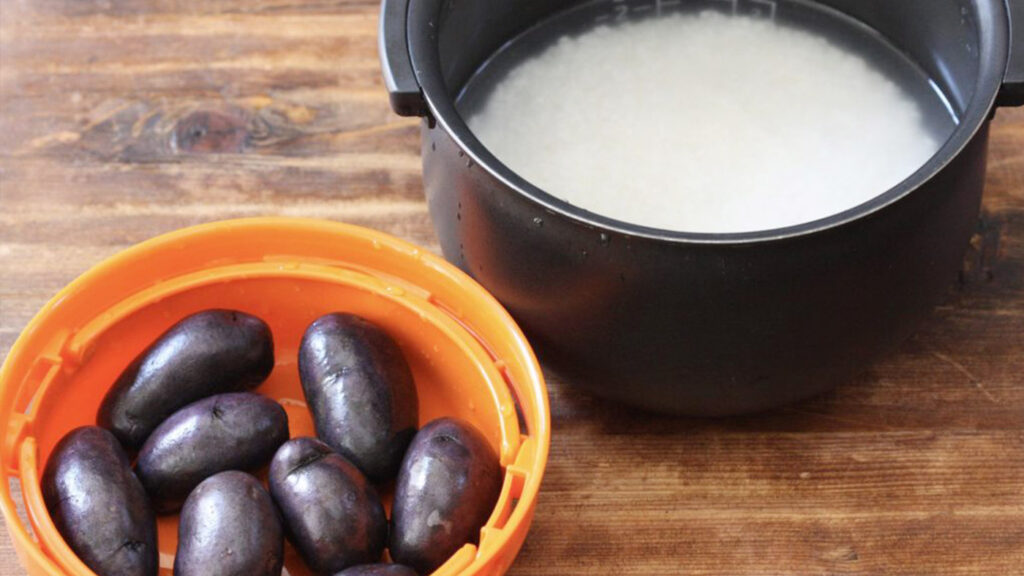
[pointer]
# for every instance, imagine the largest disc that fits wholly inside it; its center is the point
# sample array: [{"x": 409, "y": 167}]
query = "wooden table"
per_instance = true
[{"x": 123, "y": 119}]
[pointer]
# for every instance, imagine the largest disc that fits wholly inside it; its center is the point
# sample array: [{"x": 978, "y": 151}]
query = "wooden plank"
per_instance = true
[{"x": 124, "y": 119}]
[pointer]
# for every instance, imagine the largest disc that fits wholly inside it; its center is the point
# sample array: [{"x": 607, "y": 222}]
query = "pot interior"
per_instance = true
[{"x": 944, "y": 49}]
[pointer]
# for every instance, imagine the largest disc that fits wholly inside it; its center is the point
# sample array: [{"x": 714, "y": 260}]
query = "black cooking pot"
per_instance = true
[{"x": 705, "y": 324}]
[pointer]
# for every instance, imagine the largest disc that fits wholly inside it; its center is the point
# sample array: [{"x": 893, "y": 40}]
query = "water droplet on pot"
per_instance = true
[
  {"x": 538, "y": 222},
  {"x": 605, "y": 239}
]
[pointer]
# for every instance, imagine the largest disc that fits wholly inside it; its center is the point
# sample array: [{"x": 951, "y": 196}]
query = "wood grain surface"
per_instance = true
[{"x": 123, "y": 119}]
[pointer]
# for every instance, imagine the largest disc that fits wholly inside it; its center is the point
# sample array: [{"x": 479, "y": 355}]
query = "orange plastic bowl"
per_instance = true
[{"x": 468, "y": 357}]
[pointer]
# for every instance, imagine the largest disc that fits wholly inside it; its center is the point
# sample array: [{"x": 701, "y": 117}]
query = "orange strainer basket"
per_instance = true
[{"x": 468, "y": 357}]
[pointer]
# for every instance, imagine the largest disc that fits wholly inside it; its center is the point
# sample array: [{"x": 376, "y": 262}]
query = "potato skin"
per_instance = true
[
  {"x": 332, "y": 514},
  {"x": 378, "y": 570},
  {"x": 99, "y": 506},
  {"x": 233, "y": 431},
  {"x": 447, "y": 488},
  {"x": 206, "y": 353},
  {"x": 360, "y": 390},
  {"x": 229, "y": 527}
]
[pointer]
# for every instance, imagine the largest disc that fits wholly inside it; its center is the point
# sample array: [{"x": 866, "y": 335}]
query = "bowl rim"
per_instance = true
[{"x": 993, "y": 55}]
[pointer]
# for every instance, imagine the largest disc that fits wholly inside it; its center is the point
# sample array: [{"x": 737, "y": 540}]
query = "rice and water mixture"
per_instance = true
[{"x": 705, "y": 123}]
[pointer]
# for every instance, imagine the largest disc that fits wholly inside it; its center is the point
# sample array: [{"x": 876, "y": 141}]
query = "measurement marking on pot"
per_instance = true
[
  {"x": 621, "y": 9},
  {"x": 734, "y": 5},
  {"x": 770, "y": 5}
]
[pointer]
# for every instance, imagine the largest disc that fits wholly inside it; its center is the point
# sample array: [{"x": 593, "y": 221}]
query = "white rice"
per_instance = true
[{"x": 705, "y": 123}]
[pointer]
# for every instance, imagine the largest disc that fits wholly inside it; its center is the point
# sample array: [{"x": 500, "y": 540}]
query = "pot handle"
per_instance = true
[
  {"x": 1012, "y": 92},
  {"x": 396, "y": 63}
]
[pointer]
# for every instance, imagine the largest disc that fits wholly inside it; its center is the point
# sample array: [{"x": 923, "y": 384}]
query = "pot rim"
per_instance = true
[{"x": 993, "y": 55}]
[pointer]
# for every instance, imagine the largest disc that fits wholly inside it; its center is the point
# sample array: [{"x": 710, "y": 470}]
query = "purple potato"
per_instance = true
[
  {"x": 447, "y": 488},
  {"x": 204, "y": 354},
  {"x": 378, "y": 570},
  {"x": 360, "y": 390},
  {"x": 234, "y": 431},
  {"x": 99, "y": 506},
  {"x": 332, "y": 514},
  {"x": 229, "y": 527}
]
